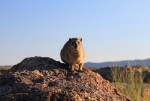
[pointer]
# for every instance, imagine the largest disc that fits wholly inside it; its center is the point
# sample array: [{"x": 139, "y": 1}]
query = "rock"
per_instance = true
[{"x": 44, "y": 79}]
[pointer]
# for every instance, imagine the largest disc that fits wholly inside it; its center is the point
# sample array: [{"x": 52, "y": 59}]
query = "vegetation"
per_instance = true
[
  {"x": 131, "y": 83},
  {"x": 146, "y": 93},
  {"x": 4, "y": 69}
]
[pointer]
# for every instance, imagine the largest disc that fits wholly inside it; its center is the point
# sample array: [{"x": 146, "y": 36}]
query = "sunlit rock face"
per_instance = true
[{"x": 44, "y": 79}]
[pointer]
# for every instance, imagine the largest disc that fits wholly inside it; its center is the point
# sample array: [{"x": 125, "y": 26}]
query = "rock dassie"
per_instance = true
[{"x": 73, "y": 53}]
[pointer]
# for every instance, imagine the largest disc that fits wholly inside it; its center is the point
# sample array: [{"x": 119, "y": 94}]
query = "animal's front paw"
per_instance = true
[
  {"x": 80, "y": 70},
  {"x": 71, "y": 69}
]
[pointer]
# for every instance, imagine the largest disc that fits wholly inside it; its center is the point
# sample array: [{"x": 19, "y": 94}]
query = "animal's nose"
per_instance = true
[{"x": 75, "y": 45}]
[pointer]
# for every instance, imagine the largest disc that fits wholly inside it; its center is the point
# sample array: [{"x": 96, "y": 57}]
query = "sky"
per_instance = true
[{"x": 111, "y": 30}]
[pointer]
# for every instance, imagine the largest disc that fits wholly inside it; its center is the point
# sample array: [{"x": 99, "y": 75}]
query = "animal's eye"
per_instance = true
[{"x": 72, "y": 43}]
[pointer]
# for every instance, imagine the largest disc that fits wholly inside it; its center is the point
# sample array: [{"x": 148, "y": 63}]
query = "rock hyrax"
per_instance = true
[{"x": 73, "y": 53}]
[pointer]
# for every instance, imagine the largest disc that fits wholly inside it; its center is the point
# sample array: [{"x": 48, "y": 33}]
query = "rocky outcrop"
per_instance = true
[{"x": 44, "y": 79}]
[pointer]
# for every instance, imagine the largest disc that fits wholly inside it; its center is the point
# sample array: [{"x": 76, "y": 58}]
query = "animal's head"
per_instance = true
[{"x": 75, "y": 43}]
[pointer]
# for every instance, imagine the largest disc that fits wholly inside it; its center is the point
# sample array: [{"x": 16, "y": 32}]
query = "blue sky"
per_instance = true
[{"x": 111, "y": 30}]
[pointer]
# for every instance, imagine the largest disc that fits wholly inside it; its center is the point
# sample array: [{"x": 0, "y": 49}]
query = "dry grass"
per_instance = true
[
  {"x": 146, "y": 96},
  {"x": 131, "y": 83}
]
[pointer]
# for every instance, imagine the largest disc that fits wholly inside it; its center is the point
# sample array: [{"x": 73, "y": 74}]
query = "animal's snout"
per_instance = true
[{"x": 75, "y": 45}]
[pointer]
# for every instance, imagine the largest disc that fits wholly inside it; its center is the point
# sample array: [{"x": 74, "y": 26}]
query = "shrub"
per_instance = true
[{"x": 129, "y": 82}]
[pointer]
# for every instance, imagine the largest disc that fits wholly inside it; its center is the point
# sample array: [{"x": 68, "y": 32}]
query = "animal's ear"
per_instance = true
[
  {"x": 70, "y": 39},
  {"x": 81, "y": 39}
]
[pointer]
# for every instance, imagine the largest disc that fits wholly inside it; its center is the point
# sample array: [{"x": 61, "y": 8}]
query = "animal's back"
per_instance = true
[{"x": 64, "y": 52}]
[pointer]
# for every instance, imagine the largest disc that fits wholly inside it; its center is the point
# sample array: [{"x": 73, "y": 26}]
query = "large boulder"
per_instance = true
[{"x": 44, "y": 79}]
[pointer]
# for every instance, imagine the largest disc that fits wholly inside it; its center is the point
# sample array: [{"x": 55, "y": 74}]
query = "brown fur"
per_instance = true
[{"x": 73, "y": 53}]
